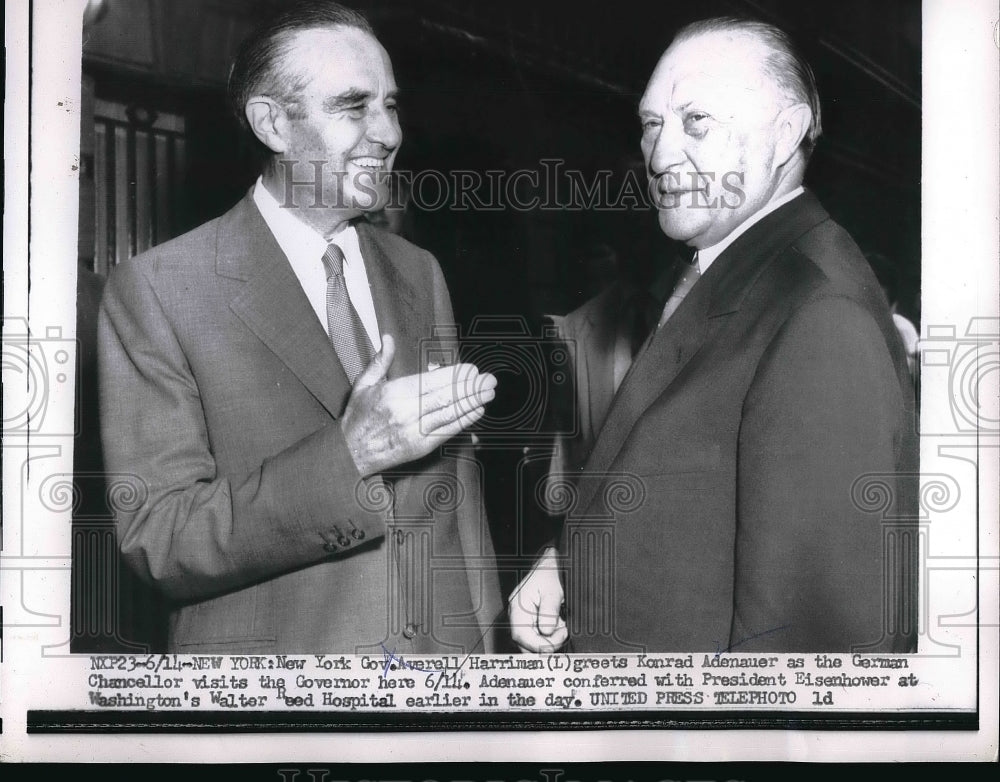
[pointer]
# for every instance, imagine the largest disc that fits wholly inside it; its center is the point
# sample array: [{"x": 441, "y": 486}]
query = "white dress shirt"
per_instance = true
[
  {"x": 304, "y": 248},
  {"x": 707, "y": 255}
]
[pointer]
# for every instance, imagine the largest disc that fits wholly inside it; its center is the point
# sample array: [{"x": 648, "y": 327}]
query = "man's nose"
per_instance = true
[
  {"x": 667, "y": 150},
  {"x": 383, "y": 128}
]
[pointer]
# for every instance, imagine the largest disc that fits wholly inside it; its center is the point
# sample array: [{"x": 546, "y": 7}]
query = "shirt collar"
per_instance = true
[
  {"x": 296, "y": 238},
  {"x": 707, "y": 255}
]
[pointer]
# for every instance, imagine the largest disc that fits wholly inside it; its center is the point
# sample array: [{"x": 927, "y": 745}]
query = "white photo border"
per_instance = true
[{"x": 960, "y": 196}]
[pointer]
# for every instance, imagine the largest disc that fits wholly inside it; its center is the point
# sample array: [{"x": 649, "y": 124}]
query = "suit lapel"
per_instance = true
[
  {"x": 395, "y": 302},
  {"x": 394, "y": 299},
  {"x": 273, "y": 305},
  {"x": 653, "y": 371},
  {"x": 598, "y": 342},
  {"x": 719, "y": 293}
]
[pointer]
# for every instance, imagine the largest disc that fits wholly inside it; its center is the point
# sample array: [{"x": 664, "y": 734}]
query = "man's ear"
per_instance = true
[
  {"x": 268, "y": 121},
  {"x": 790, "y": 127}
]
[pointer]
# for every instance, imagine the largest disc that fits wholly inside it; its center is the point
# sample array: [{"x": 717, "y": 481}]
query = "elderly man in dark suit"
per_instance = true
[
  {"x": 268, "y": 380},
  {"x": 772, "y": 387}
]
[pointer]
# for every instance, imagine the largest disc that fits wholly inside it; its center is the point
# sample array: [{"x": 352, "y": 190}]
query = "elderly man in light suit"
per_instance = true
[
  {"x": 773, "y": 386},
  {"x": 265, "y": 378}
]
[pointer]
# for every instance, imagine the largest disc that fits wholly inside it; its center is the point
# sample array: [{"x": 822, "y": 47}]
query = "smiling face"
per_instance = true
[
  {"x": 345, "y": 116},
  {"x": 709, "y": 132}
]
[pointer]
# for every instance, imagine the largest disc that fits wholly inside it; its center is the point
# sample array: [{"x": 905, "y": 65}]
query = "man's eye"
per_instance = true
[
  {"x": 695, "y": 125},
  {"x": 355, "y": 112},
  {"x": 650, "y": 123},
  {"x": 695, "y": 119}
]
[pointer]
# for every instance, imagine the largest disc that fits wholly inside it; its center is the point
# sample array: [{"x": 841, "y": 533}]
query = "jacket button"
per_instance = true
[
  {"x": 358, "y": 534},
  {"x": 330, "y": 547},
  {"x": 344, "y": 541},
  {"x": 409, "y": 631}
]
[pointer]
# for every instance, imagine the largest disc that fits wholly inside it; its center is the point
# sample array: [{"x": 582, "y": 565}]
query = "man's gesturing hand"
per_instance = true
[
  {"x": 534, "y": 608},
  {"x": 387, "y": 424}
]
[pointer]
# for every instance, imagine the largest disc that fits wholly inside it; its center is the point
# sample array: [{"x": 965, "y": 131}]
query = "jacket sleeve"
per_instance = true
[
  {"x": 182, "y": 526},
  {"x": 824, "y": 410}
]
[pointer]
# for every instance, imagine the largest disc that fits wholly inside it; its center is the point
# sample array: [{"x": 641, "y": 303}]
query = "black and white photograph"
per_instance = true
[{"x": 394, "y": 367}]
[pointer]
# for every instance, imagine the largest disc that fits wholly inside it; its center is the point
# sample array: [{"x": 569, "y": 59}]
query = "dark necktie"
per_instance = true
[
  {"x": 643, "y": 310},
  {"x": 688, "y": 277},
  {"x": 650, "y": 307},
  {"x": 345, "y": 328}
]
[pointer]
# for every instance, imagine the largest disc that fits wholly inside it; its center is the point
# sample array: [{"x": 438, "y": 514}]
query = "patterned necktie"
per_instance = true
[{"x": 345, "y": 328}]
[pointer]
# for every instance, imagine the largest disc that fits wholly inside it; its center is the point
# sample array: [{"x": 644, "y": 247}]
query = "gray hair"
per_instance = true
[
  {"x": 784, "y": 63},
  {"x": 259, "y": 67}
]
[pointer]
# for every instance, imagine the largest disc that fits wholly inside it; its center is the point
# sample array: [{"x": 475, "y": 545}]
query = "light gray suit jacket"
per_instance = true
[{"x": 220, "y": 393}]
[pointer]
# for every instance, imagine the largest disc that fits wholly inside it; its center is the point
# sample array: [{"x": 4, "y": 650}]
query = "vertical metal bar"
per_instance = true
[
  {"x": 122, "y": 222},
  {"x": 142, "y": 189},
  {"x": 152, "y": 179},
  {"x": 172, "y": 190},
  {"x": 112, "y": 199},
  {"x": 161, "y": 224},
  {"x": 100, "y": 199},
  {"x": 180, "y": 171},
  {"x": 132, "y": 211}
]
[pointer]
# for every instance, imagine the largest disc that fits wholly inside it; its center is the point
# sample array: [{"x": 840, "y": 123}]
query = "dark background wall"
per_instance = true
[
  {"x": 494, "y": 86},
  {"x": 505, "y": 85}
]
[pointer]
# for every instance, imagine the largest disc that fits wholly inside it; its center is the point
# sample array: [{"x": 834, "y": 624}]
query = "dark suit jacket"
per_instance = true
[
  {"x": 220, "y": 394},
  {"x": 725, "y": 503}
]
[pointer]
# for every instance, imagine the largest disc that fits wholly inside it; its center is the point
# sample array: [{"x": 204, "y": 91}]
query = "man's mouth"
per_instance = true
[
  {"x": 675, "y": 183},
  {"x": 674, "y": 193},
  {"x": 370, "y": 163}
]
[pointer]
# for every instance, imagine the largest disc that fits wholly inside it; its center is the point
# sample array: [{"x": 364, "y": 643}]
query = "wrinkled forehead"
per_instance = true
[
  {"x": 330, "y": 57},
  {"x": 722, "y": 71}
]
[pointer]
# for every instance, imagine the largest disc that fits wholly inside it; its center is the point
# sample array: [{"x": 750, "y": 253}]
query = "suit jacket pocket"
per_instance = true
[{"x": 245, "y": 617}]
